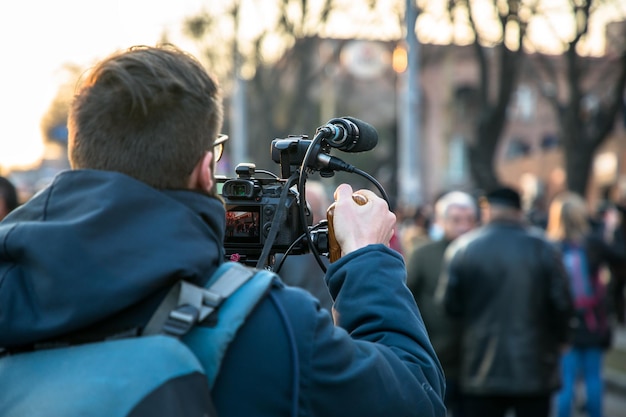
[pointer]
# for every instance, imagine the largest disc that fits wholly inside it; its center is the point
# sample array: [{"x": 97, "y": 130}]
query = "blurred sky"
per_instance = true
[{"x": 40, "y": 36}]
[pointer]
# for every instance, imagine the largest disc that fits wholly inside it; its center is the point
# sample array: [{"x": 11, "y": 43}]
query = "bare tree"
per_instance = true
[
  {"x": 56, "y": 114},
  {"x": 280, "y": 60},
  {"x": 498, "y": 54},
  {"x": 586, "y": 93}
]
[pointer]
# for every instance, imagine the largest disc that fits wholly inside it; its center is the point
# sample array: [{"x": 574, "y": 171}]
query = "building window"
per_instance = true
[
  {"x": 457, "y": 160},
  {"x": 550, "y": 141},
  {"x": 523, "y": 104},
  {"x": 517, "y": 148}
]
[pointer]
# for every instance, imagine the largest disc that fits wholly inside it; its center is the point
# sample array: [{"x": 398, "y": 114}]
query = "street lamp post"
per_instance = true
[
  {"x": 239, "y": 103},
  {"x": 409, "y": 128}
]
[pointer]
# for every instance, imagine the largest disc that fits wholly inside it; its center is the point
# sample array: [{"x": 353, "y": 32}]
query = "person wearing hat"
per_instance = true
[{"x": 507, "y": 285}]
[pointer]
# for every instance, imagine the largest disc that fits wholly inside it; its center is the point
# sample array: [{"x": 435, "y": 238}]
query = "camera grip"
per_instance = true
[{"x": 334, "y": 250}]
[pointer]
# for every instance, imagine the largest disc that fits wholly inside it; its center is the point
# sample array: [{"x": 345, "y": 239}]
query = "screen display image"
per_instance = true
[{"x": 242, "y": 225}]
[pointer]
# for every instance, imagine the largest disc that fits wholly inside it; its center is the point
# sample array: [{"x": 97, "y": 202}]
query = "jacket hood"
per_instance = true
[{"x": 94, "y": 243}]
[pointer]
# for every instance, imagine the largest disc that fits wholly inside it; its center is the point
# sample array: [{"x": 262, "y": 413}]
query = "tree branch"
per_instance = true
[
  {"x": 615, "y": 103},
  {"x": 480, "y": 56}
]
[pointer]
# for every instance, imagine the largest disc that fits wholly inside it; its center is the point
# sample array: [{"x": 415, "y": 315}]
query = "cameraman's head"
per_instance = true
[{"x": 152, "y": 113}]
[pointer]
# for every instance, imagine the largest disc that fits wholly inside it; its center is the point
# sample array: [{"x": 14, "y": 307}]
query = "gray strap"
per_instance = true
[
  {"x": 161, "y": 314},
  {"x": 186, "y": 304},
  {"x": 223, "y": 287}
]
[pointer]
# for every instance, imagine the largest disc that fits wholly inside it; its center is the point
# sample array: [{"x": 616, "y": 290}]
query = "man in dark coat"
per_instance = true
[
  {"x": 94, "y": 253},
  {"x": 456, "y": 213},
  {"x": 508, "y": 286}
]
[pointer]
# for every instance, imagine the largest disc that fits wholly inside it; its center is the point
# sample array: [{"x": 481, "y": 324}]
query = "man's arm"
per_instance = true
[
  {"x": 381, "y": 355},
  {"x": 381, "y": 351}
]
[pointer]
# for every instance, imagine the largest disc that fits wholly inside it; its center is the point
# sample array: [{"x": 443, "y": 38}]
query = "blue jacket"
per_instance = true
[{"x": 95, "y": 252}]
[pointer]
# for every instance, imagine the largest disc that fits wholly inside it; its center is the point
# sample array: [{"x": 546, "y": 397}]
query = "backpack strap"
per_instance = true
[
  {"x": 139, "y": 376},
  {"x": 187, "y": 304},
  {"x": 210, "y": 340},
  {"x": 224, "y": 296}
]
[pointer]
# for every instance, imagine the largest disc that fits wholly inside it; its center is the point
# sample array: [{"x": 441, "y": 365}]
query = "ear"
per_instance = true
[{"x": 202, "y": 176}]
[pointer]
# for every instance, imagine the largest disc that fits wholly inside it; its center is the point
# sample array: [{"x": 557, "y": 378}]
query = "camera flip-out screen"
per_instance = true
[{"x": 243, "y": 224}]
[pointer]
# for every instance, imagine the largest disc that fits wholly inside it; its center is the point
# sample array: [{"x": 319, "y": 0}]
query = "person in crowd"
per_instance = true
[
  {"x": 609, "y": 223},
  {"x": 537, "y": 214},
  {"x": 414, "y": 229},
  {"x": 139, "y": 211},
  {"x": 8, "y": 197},
  {"x": 584, "y": 254},
  {"x": 508, "y": 286},
  {"x": 303, "y": 270},
  {"x": 456, "y": 213}
]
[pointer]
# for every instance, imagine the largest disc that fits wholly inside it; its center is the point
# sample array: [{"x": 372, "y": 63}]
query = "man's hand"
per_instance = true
[{"x": 357, "y": 226}]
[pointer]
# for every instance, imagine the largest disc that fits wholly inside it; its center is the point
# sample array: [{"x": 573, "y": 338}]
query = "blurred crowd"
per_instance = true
[{"x": 520, "y": 303}]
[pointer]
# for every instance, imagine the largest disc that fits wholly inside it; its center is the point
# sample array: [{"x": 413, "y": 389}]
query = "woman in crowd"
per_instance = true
[{"x": 584, "y": 255}]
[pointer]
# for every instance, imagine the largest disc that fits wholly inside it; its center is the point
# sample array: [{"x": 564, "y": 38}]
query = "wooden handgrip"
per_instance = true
[{"x": 334, "y": 250}]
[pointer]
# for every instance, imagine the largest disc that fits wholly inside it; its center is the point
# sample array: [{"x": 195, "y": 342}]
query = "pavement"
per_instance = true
[
  {"x": 616, "y": 378},
  {"x": 614, "y": 401}
]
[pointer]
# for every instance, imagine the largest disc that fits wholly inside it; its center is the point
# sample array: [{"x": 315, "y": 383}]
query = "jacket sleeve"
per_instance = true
[
  {"x": 414, "y": 278},
  {"x": 559, "y": 294},
  {"x": 450, "y": 290},
  {"x": 382, "y": 362},
  {"x": 611, "y": 253}
]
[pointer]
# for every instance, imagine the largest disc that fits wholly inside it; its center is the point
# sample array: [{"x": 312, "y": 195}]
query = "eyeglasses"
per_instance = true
[{"x": 218, "y": 146}]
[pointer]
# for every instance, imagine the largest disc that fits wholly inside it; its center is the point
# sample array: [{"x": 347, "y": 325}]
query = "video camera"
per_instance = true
[{"x": 269, "y": 215}]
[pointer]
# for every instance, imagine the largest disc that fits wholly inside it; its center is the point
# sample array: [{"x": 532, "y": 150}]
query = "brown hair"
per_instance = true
[
  {"x": 568, "y": 218},
  {"x": 148, "y": 112}
]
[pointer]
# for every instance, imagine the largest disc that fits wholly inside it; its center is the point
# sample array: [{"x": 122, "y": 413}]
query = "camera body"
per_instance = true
[
  {"x": 266, "y": 216},
  {"x": 252, "y": 208}
]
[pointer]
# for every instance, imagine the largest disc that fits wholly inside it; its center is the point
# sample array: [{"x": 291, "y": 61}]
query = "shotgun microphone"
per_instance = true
[{"x": 349, "y": 134}]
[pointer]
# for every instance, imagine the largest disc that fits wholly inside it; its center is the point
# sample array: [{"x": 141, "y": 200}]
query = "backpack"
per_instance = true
[
  {"x": 577, "y": 267},
  {"x": 589, "y": 296},
  {"x": 167, "y": 371}
]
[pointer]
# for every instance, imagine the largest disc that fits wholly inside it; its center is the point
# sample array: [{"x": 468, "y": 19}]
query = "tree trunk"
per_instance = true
[
  {"x": 489, "y": 126},
  {"x": 578, "y": 163},
  {"x": 581, "y": 139},
  {"x": 482, "y": 156}
]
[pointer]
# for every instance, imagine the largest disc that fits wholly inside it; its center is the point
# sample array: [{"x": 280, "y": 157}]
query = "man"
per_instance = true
[
  {"x": 96, "y": 251},
  {"x": 609, "y": 224},
  {"x": 508, "y": 286},
  {"x": 8, "y": 197},
  {"x": 456, "y": 213}
]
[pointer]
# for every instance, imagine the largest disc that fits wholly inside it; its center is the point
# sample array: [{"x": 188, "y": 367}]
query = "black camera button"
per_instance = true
[{"x": 269, "y": 211}]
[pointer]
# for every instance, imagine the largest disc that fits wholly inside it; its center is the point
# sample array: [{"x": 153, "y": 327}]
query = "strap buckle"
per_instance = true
[{"x": 181, "y": 320}]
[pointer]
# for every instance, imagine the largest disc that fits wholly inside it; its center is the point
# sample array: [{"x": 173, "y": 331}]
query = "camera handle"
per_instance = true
[
  {"x": 334, "y": 250},
  {"x": 315, "y": 159}
]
